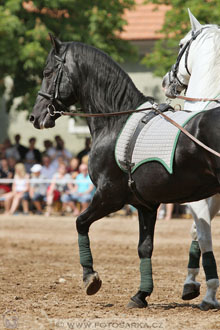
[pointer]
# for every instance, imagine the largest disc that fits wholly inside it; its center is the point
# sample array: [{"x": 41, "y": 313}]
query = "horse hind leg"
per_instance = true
[
  {"x": 191, "y": 288},
  {"x": 203, "y": 212}
]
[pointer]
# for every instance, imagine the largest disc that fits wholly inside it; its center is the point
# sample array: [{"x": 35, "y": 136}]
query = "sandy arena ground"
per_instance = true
[{"x": 41, "y": 282}]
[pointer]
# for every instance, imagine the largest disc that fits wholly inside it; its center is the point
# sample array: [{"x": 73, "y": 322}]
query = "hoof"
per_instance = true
[
  {"x": 190, "y": 291},
  {"x": 92, "y": 284},
  {"x": 205, "y": 306},
  {"x": 137, "y": 303}
]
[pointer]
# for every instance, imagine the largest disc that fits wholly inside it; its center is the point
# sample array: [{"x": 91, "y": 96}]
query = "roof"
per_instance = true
[{"x": 144, "y": 21}]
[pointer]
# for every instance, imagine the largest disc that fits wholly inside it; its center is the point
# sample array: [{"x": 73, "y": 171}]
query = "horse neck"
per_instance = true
[
  {"x": 204, "y": 79},
  {"x": 107, "y": 89}
]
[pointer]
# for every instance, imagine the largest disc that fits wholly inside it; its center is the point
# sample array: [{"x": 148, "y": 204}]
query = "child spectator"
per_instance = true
[
  {"x": 61, "y": 181},
  {"x": 19, "y": 193},
  {"x": 38, "y": 189}
]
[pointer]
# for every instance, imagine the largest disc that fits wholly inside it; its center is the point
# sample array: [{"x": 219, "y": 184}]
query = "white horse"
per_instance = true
[{"x": 198, "y": 71}]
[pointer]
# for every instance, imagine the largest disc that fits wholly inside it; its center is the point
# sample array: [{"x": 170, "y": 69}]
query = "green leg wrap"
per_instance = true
[
  {"x": 194, "y": 255},
  {"x": 146, "y": 275},
  {"x": 84, "y": 251},
  {"x": 209, "y": 265}
]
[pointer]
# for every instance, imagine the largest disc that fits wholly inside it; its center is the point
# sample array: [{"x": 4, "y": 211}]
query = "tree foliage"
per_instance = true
[
  {"x": 24, "y": 41},
  {"x": 175, "y": 27}
]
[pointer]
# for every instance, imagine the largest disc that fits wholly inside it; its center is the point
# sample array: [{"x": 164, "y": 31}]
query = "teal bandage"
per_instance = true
[
  {"x": 209, "y": 265},
  {"x": 194, "y": 255},
  {"x": 84, "y": 250},
  {"x": 146, "y": 275}
]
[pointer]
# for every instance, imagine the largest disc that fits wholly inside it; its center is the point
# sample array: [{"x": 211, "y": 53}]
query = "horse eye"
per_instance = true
[
  {"x": 180, "y": 46},
  {"x": 47, "y": 73}
]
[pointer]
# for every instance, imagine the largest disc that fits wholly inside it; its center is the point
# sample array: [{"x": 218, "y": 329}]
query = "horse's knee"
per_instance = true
[
  {"x": 81, "y": 226},
  {"x": 145, "y": 249},
  {"x": 193, "y": 232}
]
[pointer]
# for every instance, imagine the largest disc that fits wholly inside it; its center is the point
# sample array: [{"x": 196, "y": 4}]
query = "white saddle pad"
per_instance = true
[{"x": 156, "y": 142}]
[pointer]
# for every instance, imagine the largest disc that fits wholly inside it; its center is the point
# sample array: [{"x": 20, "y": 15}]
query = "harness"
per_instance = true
[
  {"x": 185, "y": 48},
  {"x": 54, "y": 94}
]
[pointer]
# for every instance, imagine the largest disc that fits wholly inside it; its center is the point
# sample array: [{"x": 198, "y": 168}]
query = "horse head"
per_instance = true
[
  {"x": 190, "y": 55},
  {"x": 58, "y": 90}
]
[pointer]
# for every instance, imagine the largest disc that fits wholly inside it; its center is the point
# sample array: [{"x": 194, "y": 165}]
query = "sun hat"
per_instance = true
[{"x": 36, "y": 168}]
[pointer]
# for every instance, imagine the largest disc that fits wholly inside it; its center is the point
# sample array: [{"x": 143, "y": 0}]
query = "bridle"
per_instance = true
[
  {"x": 185, "y": 48},
  {"x": 54, "y": 94}
]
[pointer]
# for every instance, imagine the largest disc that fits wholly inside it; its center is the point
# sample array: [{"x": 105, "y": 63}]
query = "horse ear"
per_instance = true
[
  {"x": 194, "y": 22},
  {"x": 56, "y": 43}
]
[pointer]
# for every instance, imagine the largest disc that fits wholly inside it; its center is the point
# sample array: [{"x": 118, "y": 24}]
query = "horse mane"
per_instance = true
[
  {"x": 106, "y": 86},
  {"x": 213, "y": 61}
]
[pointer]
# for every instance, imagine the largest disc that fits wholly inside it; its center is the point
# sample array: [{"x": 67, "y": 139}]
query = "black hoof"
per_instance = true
[
  {"x": 92, "y": 283},
  {"x": 138, "y": 301},
  {"x": 190, "y": 291},
  {"x": 205, "y": 306}
]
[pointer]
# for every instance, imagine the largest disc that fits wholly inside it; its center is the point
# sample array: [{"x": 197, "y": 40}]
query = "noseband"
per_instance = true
[
  {"x": 54, "y": 95},
  {"x": 186, "y": 47}
]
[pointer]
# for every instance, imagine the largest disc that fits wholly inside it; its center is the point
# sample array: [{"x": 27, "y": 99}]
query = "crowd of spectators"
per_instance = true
[{"x": 36, "y": 181}]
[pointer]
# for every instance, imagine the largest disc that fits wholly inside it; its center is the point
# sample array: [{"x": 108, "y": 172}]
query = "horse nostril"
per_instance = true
[{"x": 31, "y": 118}]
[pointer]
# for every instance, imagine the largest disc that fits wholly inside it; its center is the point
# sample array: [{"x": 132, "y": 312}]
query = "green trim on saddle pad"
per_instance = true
[{"x": 169, "y": 167}]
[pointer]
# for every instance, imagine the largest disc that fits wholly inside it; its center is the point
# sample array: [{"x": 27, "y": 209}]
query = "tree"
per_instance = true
[
  {"x": 24, "y": 40},
  {"x": 175, "y": 27}
]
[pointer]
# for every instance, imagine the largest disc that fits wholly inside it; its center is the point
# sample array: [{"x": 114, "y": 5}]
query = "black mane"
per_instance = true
[{"x": 105, "y": 80}]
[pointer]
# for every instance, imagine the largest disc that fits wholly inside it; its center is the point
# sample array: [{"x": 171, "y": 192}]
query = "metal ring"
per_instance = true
[{"x": 51, "y": 109}]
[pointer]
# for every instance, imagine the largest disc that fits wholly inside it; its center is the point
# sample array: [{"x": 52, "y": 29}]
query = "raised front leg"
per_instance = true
[
  {"x": 147, "y": 221},
  {"x": 203, "y": 211},
  {"x": 98, "y": 208}
]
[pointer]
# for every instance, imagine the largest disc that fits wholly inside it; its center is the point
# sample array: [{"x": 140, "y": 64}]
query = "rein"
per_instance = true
[
  {"x": 185, "y": 98},
  {"x": 154, "y": 107}
]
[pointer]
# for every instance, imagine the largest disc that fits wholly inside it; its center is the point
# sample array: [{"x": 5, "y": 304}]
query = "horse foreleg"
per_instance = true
[
  {"x": 147, "y": 221},
  {"x": 96, "y": 210},
  {"x": 203, "y": 212}
]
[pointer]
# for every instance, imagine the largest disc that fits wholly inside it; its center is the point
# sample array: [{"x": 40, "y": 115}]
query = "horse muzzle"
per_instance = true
[{"x": 41, "y": 122}]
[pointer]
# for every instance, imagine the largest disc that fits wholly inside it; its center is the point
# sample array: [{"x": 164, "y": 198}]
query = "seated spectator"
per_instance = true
[
  {"x": 5, "y": 173},
  {"x": 32, "y": 155},
  {"x": 48, "y": 148},
  {"x": 73, "y": 169},
  {"x": 2, "y": 151},
  {"x": 10, "y": 150},
  {"x": 61, "y": 181},
  {"x": 60, "y": 152},
  {"x": 82, "y": 191},
  {"x": 48, "y": 169},
  {"x": 11, "y": 164},
  {"x": 19, "y": 193},
  {"x": 86, "y": 149},
  {"x": 19, "y": 147},
  {"x": 38, "y": 189}
]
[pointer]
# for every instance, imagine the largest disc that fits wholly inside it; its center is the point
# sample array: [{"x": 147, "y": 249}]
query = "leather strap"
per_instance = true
[{"x": 186, "y": 98}]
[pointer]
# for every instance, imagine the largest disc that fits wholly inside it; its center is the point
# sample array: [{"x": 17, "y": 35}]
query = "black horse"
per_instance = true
[{"x": 76, "y": 72}]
